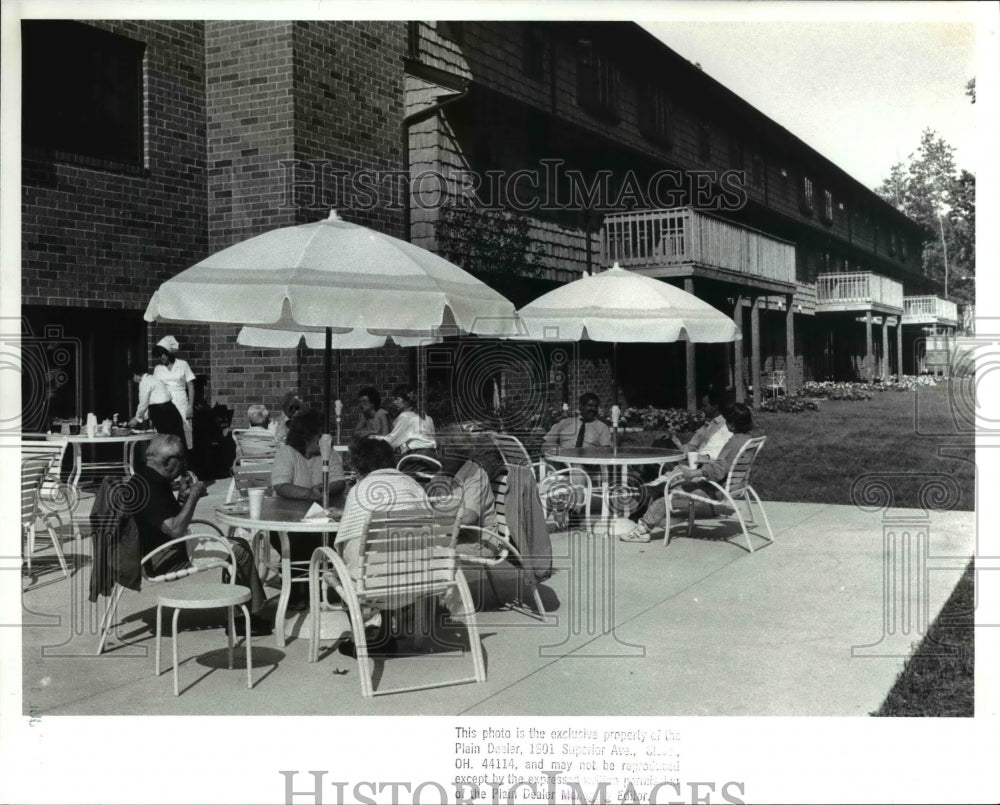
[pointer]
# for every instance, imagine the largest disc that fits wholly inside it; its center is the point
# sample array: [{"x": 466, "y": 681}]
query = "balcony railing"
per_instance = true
[
  {"x": 929, "y": 310},
  {"x": 657, "y": 238},
  {"x": 858, "y": 290}
]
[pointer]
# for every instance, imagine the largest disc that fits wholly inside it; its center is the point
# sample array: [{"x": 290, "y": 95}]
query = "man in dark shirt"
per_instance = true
[{"x": 161, "y": 517}]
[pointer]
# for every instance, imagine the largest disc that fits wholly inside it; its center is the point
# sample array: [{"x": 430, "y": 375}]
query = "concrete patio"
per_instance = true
[{"x": 701, "y": 627}]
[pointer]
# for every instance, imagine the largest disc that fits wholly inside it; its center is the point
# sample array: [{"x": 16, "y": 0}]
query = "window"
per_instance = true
[
  {"x": 735, "y": 153},
  {"x": 82, "y": 91},
  {"x": 806, "y": 196},
  {"x": 902, "y": 248},
  {"x": 827, "y": 213},
  {"x": 596, "y": 82},
  {"x": 757, "y": 169},
  {"x": 891, "y": 242},
  {"x": 704, "y": 142},
  {"x": 656, "y": 116},
  {"x": 534, "y": 51}
]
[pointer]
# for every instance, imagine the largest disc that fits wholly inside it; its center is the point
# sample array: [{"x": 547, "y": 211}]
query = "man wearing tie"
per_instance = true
[{"x": 584, "y": 430}]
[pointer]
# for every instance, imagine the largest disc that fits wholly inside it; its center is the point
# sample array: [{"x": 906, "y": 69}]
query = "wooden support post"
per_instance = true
[
  {"x": 689, "y": 379},
  {"x": 790, "y": 383},
  {"x": 899, "y": 346},
  {"x": 755, "y": 349},
  {"x": 869, "y": 363},
  {"x": 885, "y": 349},
  {"x": 741, "y": 390}
]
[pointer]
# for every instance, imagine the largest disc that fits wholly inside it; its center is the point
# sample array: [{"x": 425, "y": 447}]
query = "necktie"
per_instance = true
[{"x": 579, "y": 435}]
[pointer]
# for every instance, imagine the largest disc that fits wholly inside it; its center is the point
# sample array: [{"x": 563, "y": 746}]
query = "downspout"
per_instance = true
[{"x": 409, "y": 120}]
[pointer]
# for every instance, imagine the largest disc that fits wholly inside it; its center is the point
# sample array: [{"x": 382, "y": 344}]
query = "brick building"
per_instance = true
[{"x": 148, "y": 145}]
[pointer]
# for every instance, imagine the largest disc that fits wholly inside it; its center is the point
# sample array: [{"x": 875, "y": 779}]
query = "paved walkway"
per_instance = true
[{"x": 806, "y": 626}]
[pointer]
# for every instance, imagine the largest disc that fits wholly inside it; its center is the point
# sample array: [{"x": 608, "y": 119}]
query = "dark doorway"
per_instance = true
[{"x": 75, "y": 361}]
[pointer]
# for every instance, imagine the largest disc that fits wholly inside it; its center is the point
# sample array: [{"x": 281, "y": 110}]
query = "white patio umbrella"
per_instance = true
[
  {"x": 620, "y": 306},
  {"x": 332, "y": 276}
]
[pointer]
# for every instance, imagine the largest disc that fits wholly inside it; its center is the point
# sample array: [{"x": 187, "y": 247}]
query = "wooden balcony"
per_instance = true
[
  {"x": 929, "y": 310},
  {"x": 858, "y": 291},
  {"x": 685, "y": 243}
]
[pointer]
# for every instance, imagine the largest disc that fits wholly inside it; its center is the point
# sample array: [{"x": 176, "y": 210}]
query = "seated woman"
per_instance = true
[
  {"x": 290, "y": 407},
  {"x": 373, "y": 420},
  {"x": 739, "y": 422},
  {"x": 297, "y": 474},
  {"x": 412, "y": 432}
]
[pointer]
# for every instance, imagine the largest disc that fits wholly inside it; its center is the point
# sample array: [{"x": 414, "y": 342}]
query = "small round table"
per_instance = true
[
  {"x": 284, "y": 516},
  {"x": 617, "y": 460},
  {"x": 204, "y": 596}
]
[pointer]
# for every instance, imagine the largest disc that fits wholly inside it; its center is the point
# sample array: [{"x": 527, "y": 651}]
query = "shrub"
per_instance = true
[{"x": 789, "y": 405}]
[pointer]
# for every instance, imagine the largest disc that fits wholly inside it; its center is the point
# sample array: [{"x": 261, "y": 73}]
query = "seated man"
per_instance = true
[
  {"x": 583, "y": 430},
  {"x": 257, "y": 442},
  {"x": 739, "y": 422},
  {"x": 711, "y": 437},
  {"x": 163, "y": 517},
  {"x": 291, "y": 404}
]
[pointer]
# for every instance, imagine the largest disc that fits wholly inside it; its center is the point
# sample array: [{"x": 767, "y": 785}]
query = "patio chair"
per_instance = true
[
  {"x": 737, "y": 488},
  {"x": 254, "y": 445},
  {"x": 55, "y": 497},
  {"x": 419, "y": 467},
  {"x": 210, "y": 551},
  {"x": 559, "y": 489},
  {"x": 255, "y": 473},
  {"x": 777, "y": 383},
  {"x": 407, "y": 556},
  {"x": 34, "y": 470}
]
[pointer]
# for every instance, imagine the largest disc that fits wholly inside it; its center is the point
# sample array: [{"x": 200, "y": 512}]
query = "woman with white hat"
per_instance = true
[{"x": 177, "y": 377}]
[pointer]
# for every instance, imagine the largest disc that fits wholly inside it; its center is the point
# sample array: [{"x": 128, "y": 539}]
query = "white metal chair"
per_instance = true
[
  {"x": 737, "y": 488},
  {"x": 34, "y": 470},
  {"x": 418, "y": 466},
  {"x": 406, "y": 556},
  {"x": 777, "y": 383},
  {"x": 210, "y": 551},
  {"x": 55, "y": 497},
  {"x": 559, "y": 489},
  {"x": 245, "y": 476},
  {"x": 254, "y": 445}
]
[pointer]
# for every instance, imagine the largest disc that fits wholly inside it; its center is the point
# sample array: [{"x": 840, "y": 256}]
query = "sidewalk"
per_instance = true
[{"x": 804, "y": 626}]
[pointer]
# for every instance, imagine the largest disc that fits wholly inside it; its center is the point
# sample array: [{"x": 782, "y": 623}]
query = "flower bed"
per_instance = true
[
  {"x": 649, "y": 419},
  {"x": 789, "y": 405},
  {"x": 830, "y": 390}
]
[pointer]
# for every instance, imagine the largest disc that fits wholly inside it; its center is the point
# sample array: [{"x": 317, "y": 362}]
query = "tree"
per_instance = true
[{"x": 928, "y": 188}]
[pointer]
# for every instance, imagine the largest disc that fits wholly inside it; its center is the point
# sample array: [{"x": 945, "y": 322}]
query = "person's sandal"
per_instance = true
[{"x": 638, "y": 534}]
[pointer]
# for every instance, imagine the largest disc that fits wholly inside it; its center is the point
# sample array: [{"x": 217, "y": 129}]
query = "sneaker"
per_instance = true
[{"x": 638, "y": 534}]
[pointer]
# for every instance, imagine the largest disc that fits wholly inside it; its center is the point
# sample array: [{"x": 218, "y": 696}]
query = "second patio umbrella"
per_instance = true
[
  {"x": 620, "y": 306},
  {"x": 332, "y": 275}
]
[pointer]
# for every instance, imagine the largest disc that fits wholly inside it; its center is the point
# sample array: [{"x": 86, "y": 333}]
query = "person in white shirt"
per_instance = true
[
  {"x": 177, "y": 376},
  {"x": 291, "y": 404},
  {"x": 155, "y": 402},
  {"x": 711, "y": 437},
  {"x": 583, "y": 430},
  {"x": 412, "y": 432},
  {"x": 257, "y": 442}
]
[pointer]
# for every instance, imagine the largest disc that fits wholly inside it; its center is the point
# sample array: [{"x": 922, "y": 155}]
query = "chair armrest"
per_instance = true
[
  {"x": 208, "y": 524},
  {"x": 195, "y": 568},
  {"x": 501, "y": 546}
]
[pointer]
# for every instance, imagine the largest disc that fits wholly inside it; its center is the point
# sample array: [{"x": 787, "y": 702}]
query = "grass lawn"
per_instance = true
[
  {"x": 816, "y": 456},
  {"x": 938, "y": 679}
]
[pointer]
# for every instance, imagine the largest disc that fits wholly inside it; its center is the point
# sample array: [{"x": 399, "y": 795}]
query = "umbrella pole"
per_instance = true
[
  {"x": 614, "y": 371},
  {"x": 326, "y": 379}
]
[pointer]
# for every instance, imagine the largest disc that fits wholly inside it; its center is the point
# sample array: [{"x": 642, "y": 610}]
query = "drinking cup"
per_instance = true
[
  {"x": 693, "y": 461},
  {"x": 256, "y": 497}
]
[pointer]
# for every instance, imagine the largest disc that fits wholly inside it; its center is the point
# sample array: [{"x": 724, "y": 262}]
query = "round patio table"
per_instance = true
[
  {"x": 284, "y": 516},
  {"x": 614, "y": 464}
]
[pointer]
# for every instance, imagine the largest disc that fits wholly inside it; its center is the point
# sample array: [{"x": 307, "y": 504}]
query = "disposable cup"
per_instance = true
[
  {"x": 256, "y": 497},
  {"x": 693, "y": 460}
]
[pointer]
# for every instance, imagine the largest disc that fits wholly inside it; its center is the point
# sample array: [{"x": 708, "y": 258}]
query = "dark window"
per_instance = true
[
  {"x": 757, "y": 169},
  {"x": 891, "y": 242},
  {"x": 81, "y": 91},
  {"x": 596, "y": 82},
  {"x": 903, "y": 249},
  {"x": 784, "y": 182},
  {"x": 704, "y": 142},
  {"x": 455, "y": 31},
  {"x": 735, "y": 153},
  {"x": 534, "y": 51},
  {"x": 827, "y": 213},
  {"x": 656, "y": 118},
  {"x": 806, "y": 195}
]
